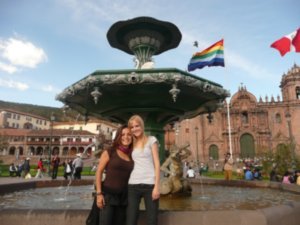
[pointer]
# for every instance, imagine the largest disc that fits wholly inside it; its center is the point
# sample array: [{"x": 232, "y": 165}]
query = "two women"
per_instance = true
[{"x": 132, "y": 162}]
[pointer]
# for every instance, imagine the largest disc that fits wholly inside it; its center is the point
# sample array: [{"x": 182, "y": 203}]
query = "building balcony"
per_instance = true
[
  {"x": 77, "y": 143},
  {"x": 42, "y": 142}
]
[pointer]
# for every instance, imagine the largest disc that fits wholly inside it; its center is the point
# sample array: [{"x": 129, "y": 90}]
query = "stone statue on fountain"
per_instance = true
[{"x": 175, "y": 183}]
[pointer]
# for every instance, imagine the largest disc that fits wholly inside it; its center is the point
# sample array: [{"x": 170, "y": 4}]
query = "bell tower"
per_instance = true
[{"x": 290, "y": 85}]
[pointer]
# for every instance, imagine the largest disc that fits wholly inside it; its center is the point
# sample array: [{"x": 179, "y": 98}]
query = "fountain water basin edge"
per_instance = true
[{"x": 285, "y": 214}]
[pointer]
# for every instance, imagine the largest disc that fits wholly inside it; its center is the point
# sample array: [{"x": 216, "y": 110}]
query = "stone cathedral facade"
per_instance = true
[{"x": 256, "y": 125}]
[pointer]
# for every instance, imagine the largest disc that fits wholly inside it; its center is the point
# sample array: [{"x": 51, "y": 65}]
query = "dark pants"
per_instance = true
[
  {"x": 135, "y": 193},
  {"x": 112, "y": 215},
  {"x": 54, "y": 172},
  {"x": 77, "y": 173},
  {"x": 12, "y": 173},
  {"x": 66, "y": 175}
]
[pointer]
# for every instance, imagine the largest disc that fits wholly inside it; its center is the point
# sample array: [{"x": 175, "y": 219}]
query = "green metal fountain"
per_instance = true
[{"x": 160, "y": 96}]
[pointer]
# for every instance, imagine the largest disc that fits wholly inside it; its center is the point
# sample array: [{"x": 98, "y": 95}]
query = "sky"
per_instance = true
[{"x": 46, "y": 46}]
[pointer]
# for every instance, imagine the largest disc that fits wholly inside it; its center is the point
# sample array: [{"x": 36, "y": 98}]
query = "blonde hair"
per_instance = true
[{"x": 140, "y": 121}]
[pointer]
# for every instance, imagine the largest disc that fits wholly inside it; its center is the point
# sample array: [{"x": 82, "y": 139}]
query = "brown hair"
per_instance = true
[{"x": 117, "y": 141}]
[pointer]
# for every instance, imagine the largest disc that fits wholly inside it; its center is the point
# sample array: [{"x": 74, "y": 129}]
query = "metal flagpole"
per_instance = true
[{"x": 229, "y": 128}]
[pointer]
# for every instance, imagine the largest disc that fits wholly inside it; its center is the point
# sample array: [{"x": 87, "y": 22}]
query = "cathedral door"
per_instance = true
[
  {"x": 247, "y": 146},
  {"x": 213, "y": 152}
]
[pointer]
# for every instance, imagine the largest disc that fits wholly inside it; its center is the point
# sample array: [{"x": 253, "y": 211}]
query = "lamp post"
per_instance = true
[
  {"x": 288, "y": 118},
  {"x": 196, "y": 130},
  {"x": 52, "y": 118}
]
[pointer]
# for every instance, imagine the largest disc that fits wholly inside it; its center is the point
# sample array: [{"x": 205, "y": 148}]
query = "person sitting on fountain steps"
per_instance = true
[{"x": 111, "y": 194}]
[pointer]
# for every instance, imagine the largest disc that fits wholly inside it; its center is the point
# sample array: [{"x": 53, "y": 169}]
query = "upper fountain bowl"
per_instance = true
[{"x": 130, "y": 35}]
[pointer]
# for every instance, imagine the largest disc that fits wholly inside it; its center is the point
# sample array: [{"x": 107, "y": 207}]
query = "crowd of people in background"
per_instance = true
[
  {"x": 247, "y": 169},
  {"x": 24, "y": 169}
]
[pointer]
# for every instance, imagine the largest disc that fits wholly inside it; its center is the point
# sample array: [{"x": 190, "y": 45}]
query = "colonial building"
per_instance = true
[
  {"x": 45, "y": 143},
  {"x": 63, "y": 138},
  {"x": 94, "y": 126},
  {"x": 20, "y": 120},
  {"x": 255, "y": 125}
]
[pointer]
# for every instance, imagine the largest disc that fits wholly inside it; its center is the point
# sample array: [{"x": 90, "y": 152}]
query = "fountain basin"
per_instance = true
[{"x": 285, "y": 213}]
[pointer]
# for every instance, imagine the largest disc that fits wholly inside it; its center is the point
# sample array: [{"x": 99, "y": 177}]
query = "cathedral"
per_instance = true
[{"x": 245, "y": 126}]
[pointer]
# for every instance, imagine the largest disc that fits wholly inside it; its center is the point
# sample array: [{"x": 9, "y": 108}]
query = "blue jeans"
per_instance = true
[{"x": 135, "y": 193}]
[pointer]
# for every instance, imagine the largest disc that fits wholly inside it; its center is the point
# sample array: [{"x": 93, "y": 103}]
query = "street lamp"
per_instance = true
[
  {"x": 52, "y": 118},
  {"x": 196, "y": 130},
  {"x": 288, "y": 119}
]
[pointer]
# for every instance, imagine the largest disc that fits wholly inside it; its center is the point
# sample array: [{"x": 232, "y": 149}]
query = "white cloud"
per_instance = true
[
  {"x": 8, "y": 68},
  {"x": 13, "y": 84},
  {"x": 18, "y": 53},
  {"x": 48, "y": 88}
]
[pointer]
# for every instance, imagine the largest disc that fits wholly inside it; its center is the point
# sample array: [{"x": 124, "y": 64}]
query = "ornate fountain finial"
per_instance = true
[{"x": 144, "y": 37}]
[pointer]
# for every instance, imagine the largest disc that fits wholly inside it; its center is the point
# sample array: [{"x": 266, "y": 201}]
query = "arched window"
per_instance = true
[
  {"x": 278, "y": 118},
  {"x": 298, "y": 92}
]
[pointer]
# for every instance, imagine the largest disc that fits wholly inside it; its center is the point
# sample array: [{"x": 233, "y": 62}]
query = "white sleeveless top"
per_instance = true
[{"x": 143, "y": 170}]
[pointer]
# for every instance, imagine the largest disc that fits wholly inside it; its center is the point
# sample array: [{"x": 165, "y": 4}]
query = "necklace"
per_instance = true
[{"x": 124, "y": 149}]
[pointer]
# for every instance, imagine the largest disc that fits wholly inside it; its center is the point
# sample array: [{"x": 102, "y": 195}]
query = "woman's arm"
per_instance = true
[
  {"x": 155, "y": 155},
  {"x": 104, "y": 159}
]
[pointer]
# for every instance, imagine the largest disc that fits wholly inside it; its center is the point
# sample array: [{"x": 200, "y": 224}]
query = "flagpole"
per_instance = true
[
  {"x": 228, "y": 115},
  {"x": 229, "y": 128}
]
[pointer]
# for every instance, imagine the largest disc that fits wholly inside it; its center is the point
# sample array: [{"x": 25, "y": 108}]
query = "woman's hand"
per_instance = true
[
  {"x": 155, "y": 193},
  {"x": 100, "y": 201}
]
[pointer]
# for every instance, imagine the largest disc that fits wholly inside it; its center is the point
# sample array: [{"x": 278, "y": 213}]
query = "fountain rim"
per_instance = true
[
  {"x": 141, "y": 71},
  {"x": 12, "y": 187}
]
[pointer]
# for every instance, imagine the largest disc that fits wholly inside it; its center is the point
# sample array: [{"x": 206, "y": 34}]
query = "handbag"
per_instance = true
[{"x": 93, "y": 217}]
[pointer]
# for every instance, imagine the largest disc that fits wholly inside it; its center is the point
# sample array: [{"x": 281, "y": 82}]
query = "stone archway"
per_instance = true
[
  {"x": 39, "y": 151},
  {"x": 214, "y": 152},
  {"x": 247, "y": 146},
  {"x": 55, "y": 150},
  {"x": 73, "y": 151},
  {"x": 65, "y": 151},
  {"x": 12, "y": 150},
  {"x": 20, "y": 151}
]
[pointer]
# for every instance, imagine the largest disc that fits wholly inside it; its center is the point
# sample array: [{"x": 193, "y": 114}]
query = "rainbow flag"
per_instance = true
[{"x": 212, "y": 56}]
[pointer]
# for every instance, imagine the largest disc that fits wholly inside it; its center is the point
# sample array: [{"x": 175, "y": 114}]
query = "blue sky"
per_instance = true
[{"x": 45, "y": 46}]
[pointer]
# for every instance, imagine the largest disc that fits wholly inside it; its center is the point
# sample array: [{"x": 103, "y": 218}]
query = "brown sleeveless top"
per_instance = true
[{"x": 117, "y": 173}]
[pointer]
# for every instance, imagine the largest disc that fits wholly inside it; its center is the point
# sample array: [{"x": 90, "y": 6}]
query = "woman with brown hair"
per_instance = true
[{"x": 111, "y": 194}]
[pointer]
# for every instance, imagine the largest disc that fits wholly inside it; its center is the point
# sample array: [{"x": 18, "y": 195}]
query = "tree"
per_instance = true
[{"x": 281, "y": 160}]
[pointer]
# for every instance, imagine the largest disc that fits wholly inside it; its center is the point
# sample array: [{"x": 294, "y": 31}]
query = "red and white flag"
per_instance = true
[{"x": 290, "y": 42}]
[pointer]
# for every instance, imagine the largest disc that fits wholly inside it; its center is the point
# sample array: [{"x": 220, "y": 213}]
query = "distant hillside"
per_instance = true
[{"x": 44, "y": 111}]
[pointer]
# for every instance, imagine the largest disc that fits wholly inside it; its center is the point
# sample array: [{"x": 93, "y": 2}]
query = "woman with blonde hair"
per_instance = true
[{"x": 144, "y": 179}]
